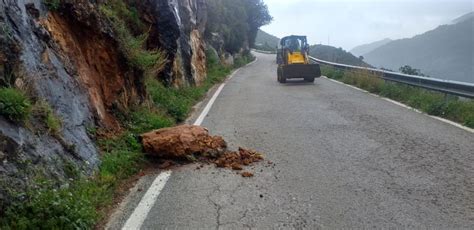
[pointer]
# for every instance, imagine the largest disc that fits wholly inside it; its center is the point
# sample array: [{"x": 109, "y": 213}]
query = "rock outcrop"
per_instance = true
[
  {"x": 37, "y": 64},
  {"x": 177, "y": 27}
]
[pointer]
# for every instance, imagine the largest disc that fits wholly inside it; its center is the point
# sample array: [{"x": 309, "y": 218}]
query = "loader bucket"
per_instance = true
[{"x": 301, "y": 71}]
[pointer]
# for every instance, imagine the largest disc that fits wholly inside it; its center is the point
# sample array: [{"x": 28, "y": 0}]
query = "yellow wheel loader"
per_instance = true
[{"x": 293, "y": 60}]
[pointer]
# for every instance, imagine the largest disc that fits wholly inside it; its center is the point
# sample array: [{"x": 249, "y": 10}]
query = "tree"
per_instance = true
[
  {"x": 236, "y": 21},
  {"x": 406, "y": 69},
  {"x": 257, "y": 16}
]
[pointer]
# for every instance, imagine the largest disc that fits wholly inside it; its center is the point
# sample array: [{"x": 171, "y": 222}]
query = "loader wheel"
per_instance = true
[
  {"x": 278, "y": 74},
  {"x": 280, "y": 77},
  {"x": 309, "y": 79}
]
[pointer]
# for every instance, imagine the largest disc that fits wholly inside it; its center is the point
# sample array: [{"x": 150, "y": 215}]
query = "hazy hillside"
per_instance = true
[
  {"x": 266, "y": 41},
  {"x": 333, "y": 54},
  {"x": 445, "y": 52},
  {"x": 463, "y": 18},
  {"x": 366, "y": 48}
]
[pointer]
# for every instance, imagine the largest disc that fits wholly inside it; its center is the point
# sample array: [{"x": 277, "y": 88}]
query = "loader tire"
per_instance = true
[{"x": 280, "y": 76}]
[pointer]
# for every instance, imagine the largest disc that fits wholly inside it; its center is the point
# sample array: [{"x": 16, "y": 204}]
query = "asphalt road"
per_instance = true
[{"x": 343, "y": 159}]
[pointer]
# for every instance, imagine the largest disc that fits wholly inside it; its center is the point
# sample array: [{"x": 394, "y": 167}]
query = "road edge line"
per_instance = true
[
  {"x": 406, "y": 106},
  {"x": 208, "y": 107},
  {"x": 136, "y": 220}
]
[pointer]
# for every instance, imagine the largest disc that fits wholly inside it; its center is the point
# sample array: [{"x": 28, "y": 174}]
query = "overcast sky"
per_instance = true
[{"x": 349, "y": 23}]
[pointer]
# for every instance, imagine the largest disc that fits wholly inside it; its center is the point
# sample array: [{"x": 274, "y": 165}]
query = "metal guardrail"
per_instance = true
[
  {"x": 264, "y": 51},
  {"x": 445, "y": 86}
]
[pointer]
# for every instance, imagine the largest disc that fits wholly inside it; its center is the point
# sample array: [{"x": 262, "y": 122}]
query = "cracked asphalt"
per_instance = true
[{"x": 342, "y": 159}]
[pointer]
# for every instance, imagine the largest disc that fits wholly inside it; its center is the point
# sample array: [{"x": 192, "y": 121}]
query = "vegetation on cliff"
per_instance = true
[
  {"x": 125, "y": 21},
  {"x": 14, "y": 104}
]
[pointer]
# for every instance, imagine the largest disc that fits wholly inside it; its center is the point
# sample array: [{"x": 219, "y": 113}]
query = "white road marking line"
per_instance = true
[
  {"x": 406, "y": 106},
  {"x": 206, "y": 110},
  {"x": 135, "y": 221},
  {"x": 208, "y": 107}
]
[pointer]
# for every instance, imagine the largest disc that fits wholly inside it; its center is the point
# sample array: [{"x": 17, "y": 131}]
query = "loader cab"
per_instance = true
[
  {"x": 293, "y": 50},
  {"x": 294, "y": 45}
]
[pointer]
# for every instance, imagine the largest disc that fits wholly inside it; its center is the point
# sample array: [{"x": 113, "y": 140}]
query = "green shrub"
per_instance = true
[
  {"x": 461, "y": 111},
  {"x": 133, "y": 47},
  {"x": 177, "y": 102},
  {"x": 45, "y": 206},
  {"x": 52, "y": 122},
  {"x": 145, "y": 119},
  {"x": 469, "y": 121},
  {"x": 52, "y": 4},
  {"x": 242, "y": 60},
  {"x": 212, "y": 58},
  {"x": 123, "y": 157},
  {"x": 121, "y": 164},
  {"x": 14, "y": 105}
]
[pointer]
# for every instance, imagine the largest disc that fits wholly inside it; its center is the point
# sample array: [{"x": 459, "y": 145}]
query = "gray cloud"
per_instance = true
[{"x": 349, "y": 23}]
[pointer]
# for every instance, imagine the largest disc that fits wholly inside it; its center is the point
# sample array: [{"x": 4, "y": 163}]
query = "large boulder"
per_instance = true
[{"x": 182, "y": 141}]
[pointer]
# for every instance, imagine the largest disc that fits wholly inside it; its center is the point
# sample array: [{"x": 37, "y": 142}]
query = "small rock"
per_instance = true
[
  {"x": 165, "y": 165},
  {"x": 236, "y": 166},
  {"x": 247, "y": 174},
  {"x": 2, "y": 155}
]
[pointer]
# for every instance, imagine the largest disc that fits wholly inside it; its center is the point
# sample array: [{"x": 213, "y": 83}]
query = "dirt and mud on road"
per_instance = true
[{"x": 191, "y": 144}]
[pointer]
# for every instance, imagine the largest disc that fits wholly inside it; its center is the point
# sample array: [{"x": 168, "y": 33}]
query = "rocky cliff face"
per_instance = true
[
  {"x": 177, "y": 28},
  {"x": 69, "y": 58},
  {"x": 40, "y": 66}
]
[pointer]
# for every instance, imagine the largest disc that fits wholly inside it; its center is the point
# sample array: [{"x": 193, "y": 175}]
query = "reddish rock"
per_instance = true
[
  {"x": 247, "y": 174},
  {"x": 182, "y": 141}
]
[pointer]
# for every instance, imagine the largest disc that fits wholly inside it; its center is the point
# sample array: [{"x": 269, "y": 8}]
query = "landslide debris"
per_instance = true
[{"x": 190, "y": 143}]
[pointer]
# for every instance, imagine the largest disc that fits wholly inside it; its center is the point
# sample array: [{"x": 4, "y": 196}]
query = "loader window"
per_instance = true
[{"x": 293, "y": 45}]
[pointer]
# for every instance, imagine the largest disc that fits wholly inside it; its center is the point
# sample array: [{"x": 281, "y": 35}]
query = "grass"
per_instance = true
[
  {"x": 52, "y": 4},
  {"x": 177, "y": 102},
  {"x": 430, "y": 102},
  {"x": 53, "y": 123},
  {"x": 243, "y": 59},
  {"x": 14, "y": 105}
]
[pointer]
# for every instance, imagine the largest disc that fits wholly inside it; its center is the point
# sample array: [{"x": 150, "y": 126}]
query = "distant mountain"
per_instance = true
[
  {"x": 333, "y": 54},
  {"x": 445, "y": 52},
  {"x": 366, "y": 48},
  {"x": 463, "y": 18},
  {"x": 266, "y": 41}
]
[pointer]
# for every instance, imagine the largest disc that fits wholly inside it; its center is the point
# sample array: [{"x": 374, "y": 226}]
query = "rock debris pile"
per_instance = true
[{"x": 193, "y": 143}]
